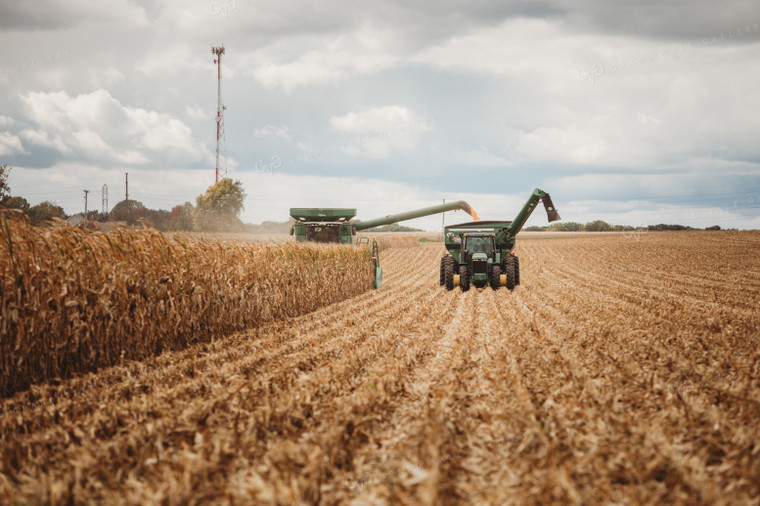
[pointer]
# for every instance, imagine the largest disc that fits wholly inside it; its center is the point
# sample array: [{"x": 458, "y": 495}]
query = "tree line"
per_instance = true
[
  {"x": 603, "y": 226},
  {"x": 216, "y": 210}
]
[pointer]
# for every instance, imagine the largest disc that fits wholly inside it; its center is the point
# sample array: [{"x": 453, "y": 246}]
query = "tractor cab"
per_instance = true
[
  {"x": 479, "y": 256},
  {"x": 479, "y": 244}
]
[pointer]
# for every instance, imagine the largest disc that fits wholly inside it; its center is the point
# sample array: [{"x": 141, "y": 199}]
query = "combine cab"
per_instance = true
[{"x": 480, "y": 252}]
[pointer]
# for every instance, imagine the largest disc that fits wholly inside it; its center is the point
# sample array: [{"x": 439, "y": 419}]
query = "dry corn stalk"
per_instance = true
[{"x": 74, "y": 301}]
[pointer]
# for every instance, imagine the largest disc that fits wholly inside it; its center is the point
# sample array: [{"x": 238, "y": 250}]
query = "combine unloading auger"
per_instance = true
[{"x": 335, "y": 225}]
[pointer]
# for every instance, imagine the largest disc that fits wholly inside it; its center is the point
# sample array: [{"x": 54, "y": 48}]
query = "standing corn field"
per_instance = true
[{"x": 74, "y": 301}]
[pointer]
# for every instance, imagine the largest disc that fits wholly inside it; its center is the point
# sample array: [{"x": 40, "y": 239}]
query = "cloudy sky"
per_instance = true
[{"x": 632, "y": 112}]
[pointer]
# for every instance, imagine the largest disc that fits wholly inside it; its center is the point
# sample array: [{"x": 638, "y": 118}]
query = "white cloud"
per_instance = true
[
  {"x": 273, "y": 131},
  {"x": 10, "y": 144},
  {"x": 5, "y": 121},
  {"x": 105, "y": 78},
  {"x": 43, "y": 138},
  {"x": 519, "y": 47},
  {"x": 572, "y": 144},
  {"x": 374, "y": 119},
  {"x": 377, "y": 131},
  {"x": 645, "y": 119},
  {"x": 51, "y": 14},
  {"x": 609, "y": 100},
  {"x": 198, "y": 113},
  {"x": 270, "y": 196},
  {"x": 98, "y": 127},
  {"x": 325, "y": 58},
  {"x": 175, "y": 58},
  {"x": 482, "y": 157}
]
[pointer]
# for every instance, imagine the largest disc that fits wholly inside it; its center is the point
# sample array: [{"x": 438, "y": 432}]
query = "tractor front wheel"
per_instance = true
[
  {"x": 510, "y": 272},
  {"x": 517, "y": 271},
  {"x": 464, "y": 278},
  {"x": 448, "y": 275},
  {"x": 443, "y": 271},
  {"x": 496, "y": 277}
]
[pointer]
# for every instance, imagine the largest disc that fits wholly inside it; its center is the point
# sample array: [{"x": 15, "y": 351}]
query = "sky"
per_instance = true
[{"x": 636, "y": 113}]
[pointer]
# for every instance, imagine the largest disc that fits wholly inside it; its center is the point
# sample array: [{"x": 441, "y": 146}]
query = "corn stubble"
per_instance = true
[
  {"x": 622, "y": 370},
  {"x": 72, "y": 301}
]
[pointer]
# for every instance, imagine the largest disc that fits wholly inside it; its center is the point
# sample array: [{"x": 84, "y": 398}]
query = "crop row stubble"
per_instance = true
[{"x": 72, "y": 301}]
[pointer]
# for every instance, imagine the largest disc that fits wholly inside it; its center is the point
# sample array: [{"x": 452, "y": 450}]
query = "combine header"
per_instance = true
[
  {"x": 333, "y": 225},
  {"x": 480, "y": 252}
]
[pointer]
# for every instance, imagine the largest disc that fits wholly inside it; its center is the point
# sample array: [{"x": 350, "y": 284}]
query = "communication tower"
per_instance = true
[{"x": 221, "y": 170}]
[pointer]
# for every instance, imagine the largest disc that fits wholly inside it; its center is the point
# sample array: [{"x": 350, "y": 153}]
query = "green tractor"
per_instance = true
[{"x": 480, "y": 252}]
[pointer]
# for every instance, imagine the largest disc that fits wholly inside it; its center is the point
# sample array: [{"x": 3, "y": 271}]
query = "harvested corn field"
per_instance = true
[{"x": 624, "y": 369}]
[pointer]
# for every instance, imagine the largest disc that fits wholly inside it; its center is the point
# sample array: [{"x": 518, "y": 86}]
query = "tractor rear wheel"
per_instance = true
[
  {"x": 517, "y": 271},
  {"x": 448, "y": 274},
  {"x": 510, "y": 272},
  {"x": 496, "y": 277},
  {"x": 464, "y": 278},
  {"x": 443, "y": 271}
]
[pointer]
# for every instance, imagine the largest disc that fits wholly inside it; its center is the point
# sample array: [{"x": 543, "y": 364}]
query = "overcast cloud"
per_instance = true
[{"x": 634, "y": 113}]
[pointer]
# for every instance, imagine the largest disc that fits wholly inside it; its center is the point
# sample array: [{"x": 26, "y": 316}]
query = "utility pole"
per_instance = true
[
  {"x": 220, "y": 171},
  {"x": 85, "y": 202},
  {"x": 126, "y": 187}
]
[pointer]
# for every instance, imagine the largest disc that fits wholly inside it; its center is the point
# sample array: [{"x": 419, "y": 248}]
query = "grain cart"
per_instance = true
[
  {"x": 334, "y": 225},
  {"x": 480, "y": 252}
]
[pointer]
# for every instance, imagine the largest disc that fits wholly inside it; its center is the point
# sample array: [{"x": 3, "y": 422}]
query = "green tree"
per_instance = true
[
  {"x": 597, "y": 226},
  {"x": 15, "y": 203},
  {"x": 182, "y": 217},
  {"x": 128, "y": 210},
  {"x": 219, "y": 209},
  {"x": 569, "y": 226},
  {"x": 158, "y": 219},
  {"x": 45, "y": 212}
]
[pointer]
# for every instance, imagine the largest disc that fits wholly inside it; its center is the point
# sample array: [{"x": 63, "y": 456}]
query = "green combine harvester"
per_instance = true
[
  {"x": 480, "y": 252},
  {"x": 331, "y": 225},
  {"x": 334, "y": 225}
]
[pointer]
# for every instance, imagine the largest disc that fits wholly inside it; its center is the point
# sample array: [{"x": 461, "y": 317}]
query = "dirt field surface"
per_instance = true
[{"x": 624, "y": 369}]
